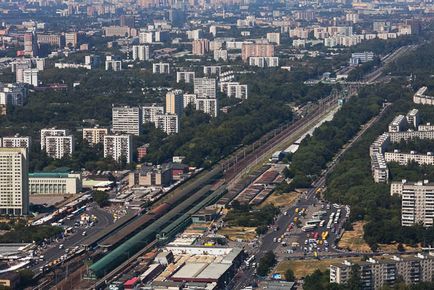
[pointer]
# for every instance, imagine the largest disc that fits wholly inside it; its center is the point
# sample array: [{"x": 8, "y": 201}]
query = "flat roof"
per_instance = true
[
  {"x": 214, "y": 271},
  {"x": 190, "y": 270}
]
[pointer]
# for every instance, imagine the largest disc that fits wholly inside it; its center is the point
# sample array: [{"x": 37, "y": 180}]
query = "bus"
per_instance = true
[
  {"x": 325, "y": 235},
  {"x": 308, "y": 228},
  {"x": 313, "y": 222},
  {"x": 321, "y": 224}
]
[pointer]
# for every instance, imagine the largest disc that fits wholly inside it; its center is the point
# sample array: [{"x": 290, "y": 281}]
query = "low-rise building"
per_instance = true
[
  {"x": 54, "y": 183},
  {"x": 151, "y": 176}
]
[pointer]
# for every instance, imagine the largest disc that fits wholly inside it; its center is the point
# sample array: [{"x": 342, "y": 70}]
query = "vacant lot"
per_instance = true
[
  {"x": 238, "y": 233},
  {"x": 281, "y": 200},
  {"x": 353, "y": 240}
]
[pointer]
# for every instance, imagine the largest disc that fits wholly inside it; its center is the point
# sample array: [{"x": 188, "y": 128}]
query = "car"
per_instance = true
[
  {"x": 61, "y": 246},
  {"x": 84, "y": 233}
]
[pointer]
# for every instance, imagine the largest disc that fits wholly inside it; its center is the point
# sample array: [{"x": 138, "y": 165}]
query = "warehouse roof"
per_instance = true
[
  {"x": 214, "y": 271},
  {"x": 190, "y": 270}
]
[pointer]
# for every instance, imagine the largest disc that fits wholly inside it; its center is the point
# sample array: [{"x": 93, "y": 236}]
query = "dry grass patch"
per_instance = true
[
  {"x": 353, "y": 240},
  {"x": 302, "y": 268},
  {"x": 238, "y": 233},
  {"x": 281, "y": 200}
]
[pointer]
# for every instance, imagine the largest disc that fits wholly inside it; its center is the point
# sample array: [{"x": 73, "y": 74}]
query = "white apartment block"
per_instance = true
[
  {"x": 425, "y": 127},
  {"x": 94, "y": 136},
  {"x": 146, "y": 37},
  {"x": 376, "y": 273},
  {"x": 12, "y": 94},
  {"x": 420, "y": 98},
  {"x": 127, "y": 120},
  {"x": 55, "y": 183},
  {"x": 58, "y": 147},
  {"x": 151, "y": 111},
  {"x": 417, "y": 202},
  {"x": 380, "y": 144},
  {"x": 210, "y": 70},
  {"x": 30, "y": 76},
  {"x": 113, "y": 64},
  {"x": 168, "y": 123},
  {"x": 413, "y": 117},
  {"x": 189, "y": 99},
  {"x": 118, "y": 147},
  {"x": 234, "y": 90},
  {"x": 220, "y": 54},
  {"x": 51, "y": 132},
  {"x": 205, "y": 87},
  {"x": 273, "y": 37},
  {"x": 14, "y": 181},
  {"x": 185, "y": 76},
  {"x": 15, "y": 142},
  {"x": 140, "y": 52},
  {"x": 264, "y": 61},
  {"x": 406, "y": 158},
  {"x": 398, "y": 124},
  {"x": 380, "y": 171},
  {"x": 408, "y": 135},
  {"x": 161, "y": 68},
  {"x": 207, "y": 105}
]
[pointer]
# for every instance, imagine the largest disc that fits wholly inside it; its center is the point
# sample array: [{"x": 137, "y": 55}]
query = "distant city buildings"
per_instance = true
[
  {"x": 140, "y": 52},
  {"x": 200, "y": 46},
  {"x": 361, "y": 57},
  {"x": 261, "y": 61},
  {"x": 174, "y": 102},
  {"x": 161, "y": 68},
  {"x": 186, "y": 77},
  {"x": 256, "y": 49},
  {"x": 54, "y": 183}
]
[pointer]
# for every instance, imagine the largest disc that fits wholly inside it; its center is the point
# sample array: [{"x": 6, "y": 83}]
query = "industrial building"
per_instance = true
[{"x": 54, "y": 183}]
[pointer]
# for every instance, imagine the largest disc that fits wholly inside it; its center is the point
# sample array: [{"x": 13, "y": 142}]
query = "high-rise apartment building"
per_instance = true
[
  {"x": 30, "y": 44},
  {"x": 51, "y": 132},
  {"x": 150, "y": 112},
  {"x": 94, "y": 136},
  {"x": 58, "y": 147},
  {"x": 200, "y": 46},
  {"x": 205, "y": 87},
  {"x": 207, "y": 105},
  {"x": 140, "y": 52},
  {"x": 15, "y": 142},
  {"x": 168, "y": 123},
  {"x": 28, "y": 76},
  {"x": 185, "y": 76},
  {"x": 14, "y": 181},
  {"x": 71, "y": 39},
  {"x": 256, "y": 49},
  {"x": 118, "y": 147},
  {"x": 174, "y": 102},
  {"x": 127, "y": 120},
  {"x": 161, "y": 68},
  {"x": 13, "y": 94},
  {"x": 273, "y": 37},
  {"x": 388, "y": 270},
  {"x": 209, "y": 70},
  {"x": 417, "y": 202}
]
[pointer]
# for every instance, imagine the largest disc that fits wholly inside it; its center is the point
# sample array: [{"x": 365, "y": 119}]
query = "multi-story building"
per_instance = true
[
  {"x": 380, "y": 171},
  {"x": 127, "y": 120},
  {"x": 388, "y": 270},
  {"x": 406, "y": 158},
  {"x": 256, "y": 49},
  {"x": 261, "y": 61},
  {"x": 151, "y": 176},
  {"x": 220, "y": 54},
  {"x": 55, "y": 40},
  {"x": 161, "y": 68},
  {"x": 13, "y": 94},
  {"x": 189, "y": 99},
  {"x": 168, "y": 123},
  {"x": 200, "y": 46},
  {"x": 14, "y": 185},
  {"x": 51, "y": 132},
  {"x": 15, "y": 142},
  {"x": 409, "y": 135},
  {"x": 140, "y": 52},
  {"x": 146, "y": 37},
  {"x": 29, "y": 76},
  {"x": 234, "y": 90},
  {"x": 398, "y": 124},
  {"x": 95, "y": 135},
  {"x": 150, "y": 112},
  {"x": 413, "y": 117},
  {"x": 209, "y": 70},
  {"x": 273, "y": 37},
  {"x": 71, "y": 39},
  {"x": 417, "y": 206},
  {"x": 380, "y": 144},
  {"x": 113, "y": 63},
  {"x": 54, "y": 183},
  {"x": 420, "y": 98},
  {"x": 118, "y": 147},
  {"x": 185, "y": 76},
  {"x": 205, "y": 87},
  {"x": 361, "y": 57},
  {"x": 425, "y": 127},
  {"x": 208, "y": 105},
  {"x": 142, "y": 151},
  {"x": 30, "y": 44},
  {"x": 58, "y": 147},
  {"x": 174, "y": 102}
]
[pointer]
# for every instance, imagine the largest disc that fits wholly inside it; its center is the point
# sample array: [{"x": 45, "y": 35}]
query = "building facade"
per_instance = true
[
  {"x": 127, "y": 120},
  {"x": 118, "y": 147}
]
